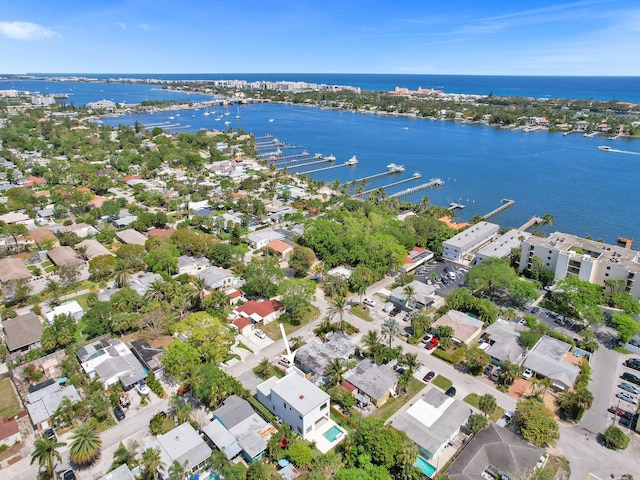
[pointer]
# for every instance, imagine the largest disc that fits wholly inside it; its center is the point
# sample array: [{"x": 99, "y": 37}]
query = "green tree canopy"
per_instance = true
[
  {"x": 536, "y": 422},
  {"x": 210, "y": 336},
  {"x": 262, "y": 277}
]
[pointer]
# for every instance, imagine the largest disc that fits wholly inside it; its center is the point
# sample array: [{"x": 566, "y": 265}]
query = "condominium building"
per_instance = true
[
  {"x": 462, "y": 244},
  {"x": 589, "y": 260}
]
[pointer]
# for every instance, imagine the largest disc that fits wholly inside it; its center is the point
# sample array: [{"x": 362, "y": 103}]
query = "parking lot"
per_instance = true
[
  {"x": 624, "y": 400},
  {"x": 433, "y": 273}
]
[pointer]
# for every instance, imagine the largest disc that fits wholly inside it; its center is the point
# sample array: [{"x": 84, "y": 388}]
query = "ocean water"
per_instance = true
[
  {"x": 590, "y": 192},
  {"x": 599, "y": 88}
]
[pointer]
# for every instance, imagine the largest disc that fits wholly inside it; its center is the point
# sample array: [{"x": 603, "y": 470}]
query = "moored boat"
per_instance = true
[
  {"x": 393, "y": 168},
  {"x": 352, "y": 161}
]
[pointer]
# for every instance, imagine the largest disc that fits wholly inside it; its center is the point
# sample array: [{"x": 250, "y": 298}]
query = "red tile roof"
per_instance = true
[
  {"x": 234, "y": 294},
  {"x": 263, "y": 309},
  {"x": 348, "y": 387},
  {"x": 279, "y": 246},
  {"x": 161, "y": 232},
  {"x": 241, "y": 322}
]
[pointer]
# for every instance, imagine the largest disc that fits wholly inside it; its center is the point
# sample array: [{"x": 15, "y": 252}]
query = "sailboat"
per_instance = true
[
  {"x": 206, "y": 112},
  {"x": 238, "y": 115}
]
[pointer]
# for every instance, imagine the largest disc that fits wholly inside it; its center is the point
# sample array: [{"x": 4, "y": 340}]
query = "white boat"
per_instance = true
[
  {"x": 330, "y": 158},
  {"x": 238, "y": 115},
  {"x": 604, "y": 147},
  {"x": 393, "y": 168},
  {"x": 317, "y": 156},
  {"x": 271, "y": 120},
  {"x": 352, "y": 161},
  {"x": 227, "y": 122}
]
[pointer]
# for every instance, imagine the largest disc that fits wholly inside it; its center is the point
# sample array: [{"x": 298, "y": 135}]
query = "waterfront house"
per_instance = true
[
  {"x": 502, "y": 246},
  {"x": 296, "y": 401}
]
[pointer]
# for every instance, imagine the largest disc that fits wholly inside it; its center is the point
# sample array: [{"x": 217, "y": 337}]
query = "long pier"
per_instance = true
[
  {"x": 415, "y": 176},
  {"x": 506, "y": 203},
  {"x": 293, "y": 164},
  {"x": 370, "y": 177},
  {"x": 531, "y": 222},
  {"x": 434, "y": 182},
  {"x": 323, "y": 168}
]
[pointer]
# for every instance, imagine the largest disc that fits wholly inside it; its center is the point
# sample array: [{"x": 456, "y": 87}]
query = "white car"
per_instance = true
[
  {"x": 527, "y": 374},
  {"x": 143, "y": 389},
  {"x": 369, "y": 302},
  {"x": 627, "y": 397},
  {"x": 505, "y": 419},
  {"x": 260, "y": 334}
]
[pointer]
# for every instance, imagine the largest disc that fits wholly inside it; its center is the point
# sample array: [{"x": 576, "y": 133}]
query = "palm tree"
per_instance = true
[
  {"x": 371, "y": 341},
  {"x": 548, "y": 219},
  {"x": 410, "y": 295},
  {"x": 390, "y": 328},
  {"x": 183, "y": 409},
  {"x": 425, "y": 203},
  {"x": 337, "y": 308},
  {"x": 403, "y": 381},
  {"x": 177, "y": 471},
  {"x": 412, "y": 362},
  {"x": 509, "y": 371},
  {"x": 85, "y": 445},
  {"x": 46, "y": 452},
  {"x": 158, "y": 290},
  {"x": 487, "y": 404},
  {"x": 334, "y": 370},
  {"x": 53, "y": 287},
  {"x": 123, "y": 275},
  {"x": 151, "y": 463},
  {"x": 126, "y": 454}
]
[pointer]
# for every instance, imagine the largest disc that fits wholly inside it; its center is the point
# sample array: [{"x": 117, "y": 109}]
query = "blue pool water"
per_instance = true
[
  {"x": 425, "y": 466},
  {"x": 333, "y": 433}
]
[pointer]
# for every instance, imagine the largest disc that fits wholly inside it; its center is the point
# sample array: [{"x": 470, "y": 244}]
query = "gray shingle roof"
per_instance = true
[
  {"x": 371, "y": 379},
  {"x": 22, "y": 331},
  {"x": 497, "y": 447},
  {"x": 183, "y": 444}
]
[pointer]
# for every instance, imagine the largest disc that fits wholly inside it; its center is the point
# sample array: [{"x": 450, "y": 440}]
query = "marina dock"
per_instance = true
[
  {"x": 370, "y": 177},
  {"x": 292, "y": 163},
  {"x": 324, "y": 168},
  {"x": 415, "y": 176},
  {"x": 434, "y": 182},
  {"x": 506, "y": 203}
]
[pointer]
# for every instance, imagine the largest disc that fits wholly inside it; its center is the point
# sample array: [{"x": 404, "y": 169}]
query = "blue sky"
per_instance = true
[{"x": 591, "y": 37}]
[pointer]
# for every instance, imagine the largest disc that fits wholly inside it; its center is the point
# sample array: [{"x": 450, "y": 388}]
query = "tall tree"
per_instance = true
[
  {"x": 85, "y": 445},
  {"x": 46, "y": 453},
  {"x": 334, "y": 370},
  {"x": 390, "y": 328},
  {"x": 337, "y": 308},
  {"x": 487, "y": 404},
  {"x": 151, "y": 464}
]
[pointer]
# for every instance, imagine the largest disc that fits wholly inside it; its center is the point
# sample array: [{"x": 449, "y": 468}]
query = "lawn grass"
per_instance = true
[
  {"x": 394, "y": 404},
  {"x": 473, "y": 400},
  {"x": 556, "y": 463},
  {"x": 361, "y": 312},
  {"x": 9, "y": 405},
  {"x": 442, "y": 382},
  {"x": 82, "y": 300},
  {"x": 622, "y": 350},
  {"x": 273, "y": 329},
  {"x": 242, "y": 345}
]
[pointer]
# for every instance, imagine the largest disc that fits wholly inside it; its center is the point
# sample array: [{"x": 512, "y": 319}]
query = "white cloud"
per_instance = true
[
  {"x": 25, "y": 31},
  {"x": 144, "y": 26},
  {"x": 122, "y": 25}
]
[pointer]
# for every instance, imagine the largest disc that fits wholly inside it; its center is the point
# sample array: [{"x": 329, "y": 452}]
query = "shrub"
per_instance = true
[
  {"x": 559, "y": 336},
  {"x": 615, "y": 439},
  {"x": 155, "y": 385},
  {"x": 448, "y": 356}
]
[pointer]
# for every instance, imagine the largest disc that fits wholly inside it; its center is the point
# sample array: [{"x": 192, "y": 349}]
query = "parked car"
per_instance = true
[
  {"x": 369, "y": 302},
  {"x": 124, "y": 400},
  {"x": 451, "y": 392},
  {"x": 620, "y": 412},
  {"x": 521, "y": 321},
  {"x": 395, "y": 311},
  {"x": 260, "y": 334},
  {"x": 527, "y": 374},
  {"x": 488, "y": 369},
  {"x": 495, "y": 375},
  {"x": 559, "y": 319},
  {"x": 627, "y": 397},
  {"x": 429, "y": 376},
  {"x": 535, "y": 310},
  {"x": 69, "y": 475},
  {"x": 452, "y": 275},
  {"x": 630, "y": 377},
  {"x": 444, "y": 281},
  {"x": 629, "y": 388},
  {"x": 433, "y": 343},
  {"x": 409, "y": 316},
  {"x": 50, "y": 434},
  {"x": 633, "y": 363},
  {"x": 119, "y": 413},
  {"x": 427, "y": 338},
  {"x": 142, "y": 388},
  {"x": 285, "y": 361},
  {"x": 505, "y": 419},
  {"x": 184, "y": 389}
]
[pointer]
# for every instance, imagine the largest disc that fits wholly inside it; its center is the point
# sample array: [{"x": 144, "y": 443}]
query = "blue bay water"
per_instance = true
[
  {"x": 589, "y": 192},
  {"x": 598, "y": 88}
]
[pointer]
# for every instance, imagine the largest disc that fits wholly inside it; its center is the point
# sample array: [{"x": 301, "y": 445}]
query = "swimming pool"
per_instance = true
[
  {"x": 333, "y": 433},
  {"x": 424, "y": 465}
]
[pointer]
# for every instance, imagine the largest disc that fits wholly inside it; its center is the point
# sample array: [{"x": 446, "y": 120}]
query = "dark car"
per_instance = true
[
  {"x": 535, "y": 309},
  {"x": 69, "y": 475},
  {"x": 395, "y": 311},
  {"x": 119, "y": 413},
  {"x": 50, "y": 434},
  {"x": 630, "y": 377},
  {"x": 451, "y": 392},
  {"x": 429, "y": 376},
  {"x": 620, "y": 412},
  {"x": 633, "y": 363}
]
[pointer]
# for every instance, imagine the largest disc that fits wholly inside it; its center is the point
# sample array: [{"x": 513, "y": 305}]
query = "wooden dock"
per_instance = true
[
  {"x": 323, "y": 168},
  {"x": 415, "y": 176},
  {"x": 531, "y": 222},
  {"x": 506, "y": 203},
  {"x": 370, "y": 177},
  {"x": 434, "y": 182},
  {"x": 292, "y": 164}
]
